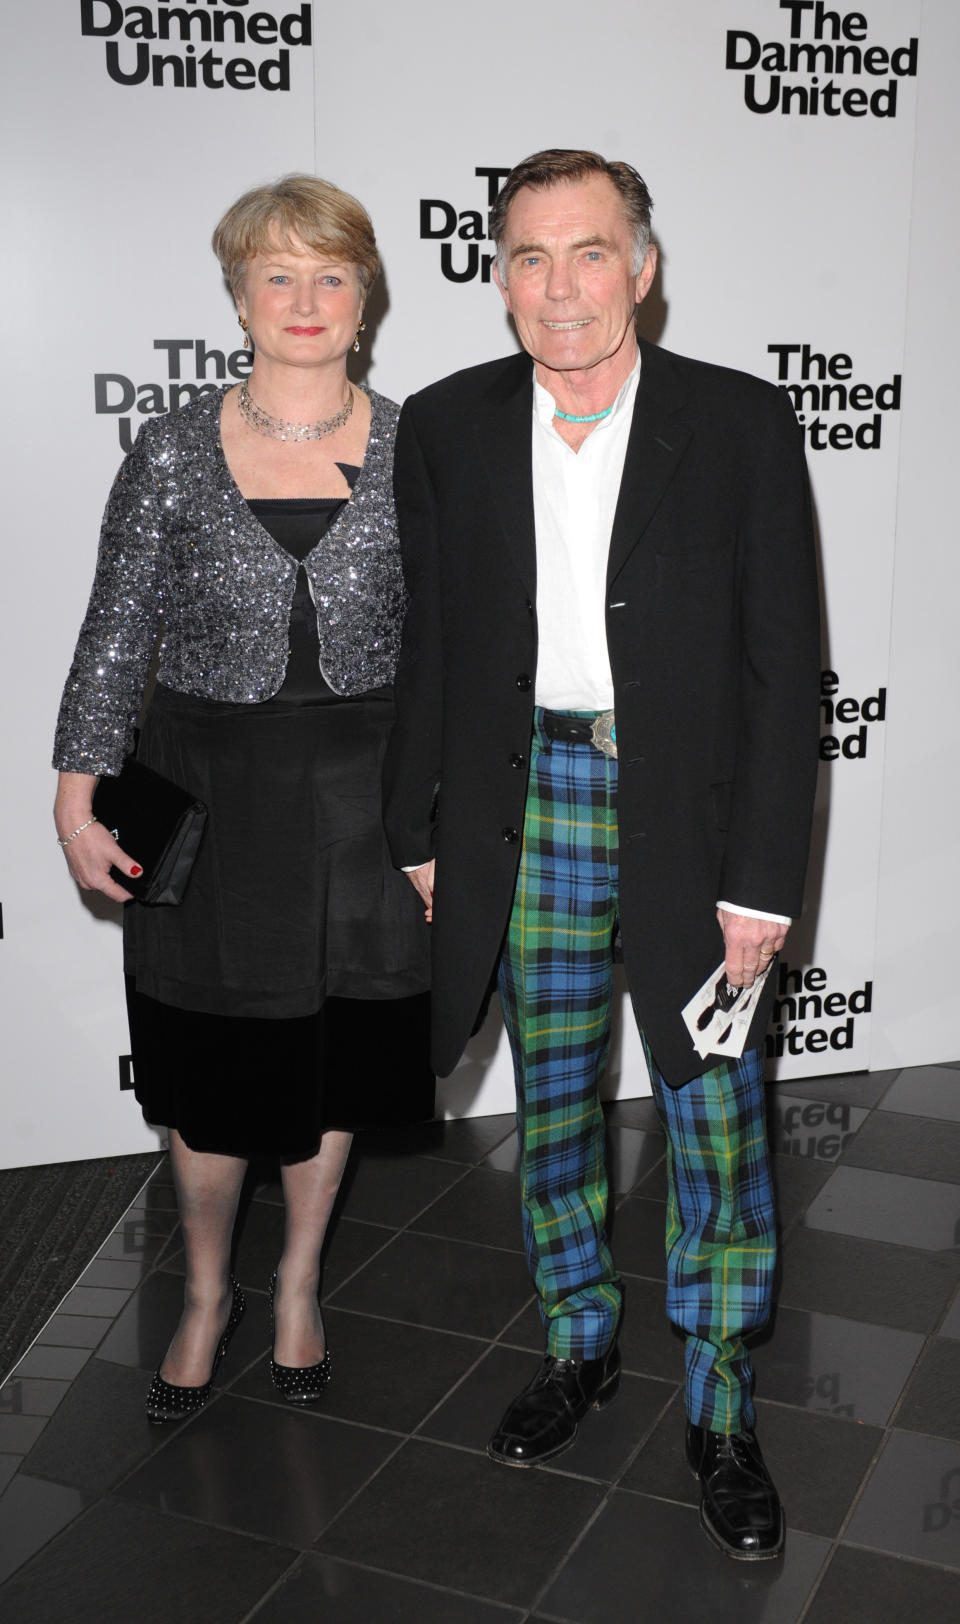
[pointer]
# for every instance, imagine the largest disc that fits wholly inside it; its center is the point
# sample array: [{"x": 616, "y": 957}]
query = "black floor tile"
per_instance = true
[
  {"x": 867, "y": 1280},
  {"x": 607, "y": 1438},
  {"x": 452, "y": 1285},
  {"x": 99, "y": 1432},
  {"x": 384, "y": 1374},
  {"x": 883, "y": 1590},
  {"x": 637, "y": 1232},
  {"x": 888, "y": 1207},
  {"x": 470, "y": 1138},
  {"x": 931, "y": 1403},
  {"x": 449, "y": 1517},
  {"x": 636, "y": 1113},
  {"x": 124, "y": 1562},
  {"x": 848, "y": 1087},
  {"x": 9, "y": 1466},
  {"x": 31, "y": 1513},
  {"x": 323, "y": 1591},
  {"x": 920, "y": 1147},
  {"x": 283, "y": 1474},
  {"x": 839, "y": 1366},
  {"x": 647, "y": 1553},
  {"x": 821, "y": 1129},
  {"x": 633, "y": 1155},
  {"x": 929, "y": 1091},
  {"x": 19, "y": 1433},
  {"x": 483, "y": 1206},
  {"x": 393, "y": 1190},
  {"x": 142, "y": 1331},
  {"x": 817, "y": 1462},
  {"x": 649, "y": 1345},
  {"x": 909, "y": 1506}
]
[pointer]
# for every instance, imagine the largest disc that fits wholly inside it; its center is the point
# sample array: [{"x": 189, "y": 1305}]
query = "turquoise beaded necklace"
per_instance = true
[{"x": 592, "y": 417}]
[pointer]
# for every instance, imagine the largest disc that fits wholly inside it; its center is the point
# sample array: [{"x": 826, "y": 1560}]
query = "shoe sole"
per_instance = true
[{"x": 605, "y": 1396}]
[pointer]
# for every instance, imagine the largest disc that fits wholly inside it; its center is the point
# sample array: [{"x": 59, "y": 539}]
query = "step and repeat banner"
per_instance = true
[{"x": 799, "y": 157}]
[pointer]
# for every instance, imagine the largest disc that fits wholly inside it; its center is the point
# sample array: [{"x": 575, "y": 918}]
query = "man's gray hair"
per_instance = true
[{"x": 558, "y": 164}]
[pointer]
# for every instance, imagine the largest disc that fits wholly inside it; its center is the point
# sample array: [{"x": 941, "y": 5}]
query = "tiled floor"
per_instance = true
[{"x": 380, "y": 1504}]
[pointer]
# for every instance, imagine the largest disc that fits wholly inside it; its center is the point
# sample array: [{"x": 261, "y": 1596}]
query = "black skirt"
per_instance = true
[{"x": 287, "y": 992}]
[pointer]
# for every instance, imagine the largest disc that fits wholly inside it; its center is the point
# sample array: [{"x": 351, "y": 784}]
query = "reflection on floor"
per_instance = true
[{"x": 380, "y": 1504}]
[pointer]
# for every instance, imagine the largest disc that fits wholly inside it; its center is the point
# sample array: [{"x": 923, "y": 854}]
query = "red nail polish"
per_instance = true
[{"x": 135, "y": 871}]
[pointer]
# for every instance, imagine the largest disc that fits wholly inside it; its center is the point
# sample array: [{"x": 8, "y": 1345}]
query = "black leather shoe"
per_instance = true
[
  {"x": 739, "y": 1506},
  {"x": 543, "y": 1420},
  {"x": 165, "y": 1402}
]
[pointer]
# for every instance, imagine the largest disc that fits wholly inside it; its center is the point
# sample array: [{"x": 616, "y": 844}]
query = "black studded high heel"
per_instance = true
[
  {"x": 298, "y": 1384},
  {"x": 165, "y": 1402}
]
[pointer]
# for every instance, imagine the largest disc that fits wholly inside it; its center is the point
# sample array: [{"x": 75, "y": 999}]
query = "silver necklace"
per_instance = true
[{"x": 263, "y": 423}]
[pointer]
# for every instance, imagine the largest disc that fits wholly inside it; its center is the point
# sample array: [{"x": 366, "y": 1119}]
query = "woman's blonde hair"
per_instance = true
[{"x": 328, "y": 222}]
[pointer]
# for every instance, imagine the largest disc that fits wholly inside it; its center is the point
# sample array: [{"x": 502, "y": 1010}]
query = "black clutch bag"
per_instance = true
[{"x": 157, "y": 823}]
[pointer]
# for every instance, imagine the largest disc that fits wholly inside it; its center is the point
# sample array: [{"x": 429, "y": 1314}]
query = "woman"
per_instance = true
[{"x": 258, "y": 522}]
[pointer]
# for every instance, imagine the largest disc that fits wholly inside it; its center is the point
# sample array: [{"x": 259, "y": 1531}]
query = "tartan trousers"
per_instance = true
[{"x": 555, "y": 982}]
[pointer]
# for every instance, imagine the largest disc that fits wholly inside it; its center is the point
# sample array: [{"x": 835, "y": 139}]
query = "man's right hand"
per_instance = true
[{"x": 422, "y": 881}]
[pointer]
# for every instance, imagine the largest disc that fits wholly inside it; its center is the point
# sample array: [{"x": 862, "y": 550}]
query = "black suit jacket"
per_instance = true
[{"x": 712, "y": 629}]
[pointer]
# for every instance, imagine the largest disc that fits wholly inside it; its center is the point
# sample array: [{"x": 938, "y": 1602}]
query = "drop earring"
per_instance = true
[
  {"x": 246, "y": 336},
  {"x": 356, "y": 343}
]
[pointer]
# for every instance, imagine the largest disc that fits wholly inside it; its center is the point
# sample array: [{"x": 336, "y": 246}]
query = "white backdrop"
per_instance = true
[{"x": 807, "y": 243}]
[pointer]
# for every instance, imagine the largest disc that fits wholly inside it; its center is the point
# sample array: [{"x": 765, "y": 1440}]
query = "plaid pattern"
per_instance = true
[
  {"x": 555, "y": 987},
  {"x": 721, "y": 1233}
]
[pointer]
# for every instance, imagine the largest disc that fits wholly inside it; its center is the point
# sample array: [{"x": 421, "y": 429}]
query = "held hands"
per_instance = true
[
  {"x": 749, "y": 945},
  {"x": 91, "y": 851},
  {"x": 422, "y": 881}
]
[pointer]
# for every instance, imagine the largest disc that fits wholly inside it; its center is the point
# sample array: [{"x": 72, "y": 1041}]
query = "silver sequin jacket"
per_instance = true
[{"x": 182, "y": 556}]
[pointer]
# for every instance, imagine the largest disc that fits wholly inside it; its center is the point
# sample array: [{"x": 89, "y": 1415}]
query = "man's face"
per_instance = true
[{"x": 570, "y": 283}]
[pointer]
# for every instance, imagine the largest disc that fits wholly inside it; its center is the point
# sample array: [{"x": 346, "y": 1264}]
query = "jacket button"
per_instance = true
[
  {"x": 529, "y": 606},
  {"x": 510, "y": 836},
  {"x": 523, "y": 682},
  {"x": 516, "y": 760}
]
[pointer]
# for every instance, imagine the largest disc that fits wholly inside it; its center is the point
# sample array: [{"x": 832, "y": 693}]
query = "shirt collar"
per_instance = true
[{"x": 544, "y": 404}]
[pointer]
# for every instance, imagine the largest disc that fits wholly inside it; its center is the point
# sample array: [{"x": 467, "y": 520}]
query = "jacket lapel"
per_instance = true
[
  {"x": 659, "y": 436},
  {"x": 504, "y": 429}
]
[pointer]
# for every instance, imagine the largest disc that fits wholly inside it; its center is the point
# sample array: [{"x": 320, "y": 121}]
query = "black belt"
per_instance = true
[{"x": 598, "y": 730}]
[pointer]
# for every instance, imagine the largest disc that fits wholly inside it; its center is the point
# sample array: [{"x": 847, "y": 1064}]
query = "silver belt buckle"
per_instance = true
[{"x": 603, "y": 733}]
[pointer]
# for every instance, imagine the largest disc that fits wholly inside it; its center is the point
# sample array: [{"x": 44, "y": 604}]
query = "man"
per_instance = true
[{"x": 607, "y": 713}]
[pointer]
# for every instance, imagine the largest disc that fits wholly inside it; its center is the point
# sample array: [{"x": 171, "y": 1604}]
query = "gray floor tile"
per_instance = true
[
  {"x": 929, "y": 1091},
  {"x": 99, "y": 1432},
  {"x": 931, "y": 1403},
  {"x": 909, "y": 1506},
  {"x": 951, "y": 1324},
  {"x": 280, "y": 1473},
  {"x": 56, "y": 1364},
  {"x": 321, "y": 1589},
  {"x": 393, "y": 1190},
  {"x": 117, "y": 1273},
  {"x": 483, "y": 1206},
  {"x": 678, "y": 1572},
  {"x": 637, "y": 1237},
  {"x": 640, "y": 1112},
  {"x": 649, "y": 1344},
  {"x": 29, "y": 1395},
  {"x": 888, "y": 1207},
  {"x": 72, "y": 1331},
  {"x": 100, "y": 1302},
  {"x": 31, "y": 1513},
  {"x": 437, "y": 1514},
  {"x": 125, "y": 1562},
  {"x": 866, "y": 1280},
  {"x": 19, "y": 1433},
  {"x": 9, "y": 1466},
  {"x": 429, "y": 1280},
  {"x": 796, "y": 1183},
  {"x": 384, "y": 1374},
  {"x": 848, "y": 1087},
  {"x": 838, "y": 1366},
  {"x": 920, "y": 1147},
  {"x": 883, "y": 1590},
  {"x": 811, "y": 1128}
]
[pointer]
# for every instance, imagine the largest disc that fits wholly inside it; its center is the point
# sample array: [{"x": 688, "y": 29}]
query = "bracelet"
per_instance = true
[{"x": 77, "y": 832}]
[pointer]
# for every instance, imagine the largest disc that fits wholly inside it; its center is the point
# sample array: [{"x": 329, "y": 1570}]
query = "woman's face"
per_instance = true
[{"x": 300, "y": 310}]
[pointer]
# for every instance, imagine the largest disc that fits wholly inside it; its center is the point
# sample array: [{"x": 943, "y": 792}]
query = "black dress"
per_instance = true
[{"x": 287, "y": 992}]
